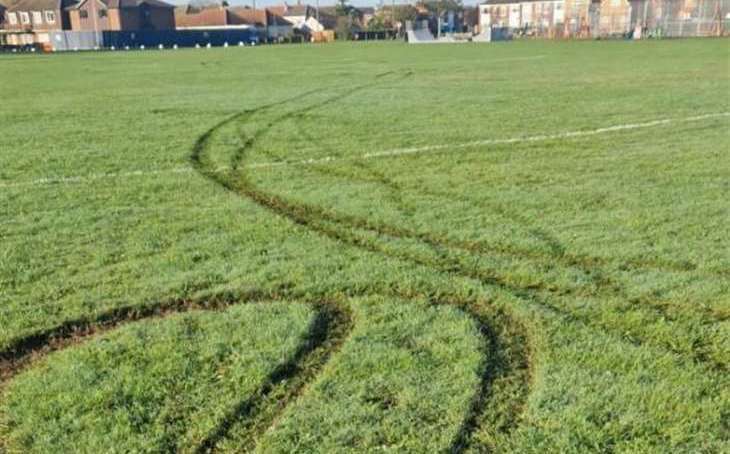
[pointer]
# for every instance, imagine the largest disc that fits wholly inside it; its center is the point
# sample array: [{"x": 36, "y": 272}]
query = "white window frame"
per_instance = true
[
  {"x": 50, "y": 16},
  {"x": 24, "y": 18},
  {"x": 37, "y": 17},
  {"x": 12, "y": 19}
]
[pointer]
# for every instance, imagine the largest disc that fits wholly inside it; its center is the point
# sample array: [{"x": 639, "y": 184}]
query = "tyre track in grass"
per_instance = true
[
  {"x": 606, "y": 287},
  {"x": 325, "y": 336},
  {"x": 507, "y": 362},
  {"x": 331, "y": 326},
  {"x": 506, "y": 359},
  {"x": 340, "y": 227},
  {"x": 593, "y": 267},
  {"x": 316, "y": 217}
]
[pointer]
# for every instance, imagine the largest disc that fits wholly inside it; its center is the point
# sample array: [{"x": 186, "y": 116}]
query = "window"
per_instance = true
[
  {"x": 102, "y": 13},
  {"x": 24, "y": 18},
  {"x": 50, "y": 17},
  {"x": 83, "y": 14},
  {"x": 12, "y": 19},
  {"x": 37, "y": 17}
]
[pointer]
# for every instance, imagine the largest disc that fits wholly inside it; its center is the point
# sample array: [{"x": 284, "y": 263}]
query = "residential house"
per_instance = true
[
  {"x": 222, "y": 18},
  {"x": 243, "y": 16},
  {"x": 303, "y": 18},
  {"x": 524, "y": 14},
  {"x": 208, "y": 16},
  {"x": 121, "y": 15},
  {"x": 278, "y": 28},
  {"x": 286, "y": 21},
  {"x": 29, "y": 22}
]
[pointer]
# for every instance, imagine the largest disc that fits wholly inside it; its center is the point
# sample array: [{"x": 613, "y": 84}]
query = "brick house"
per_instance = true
[
  {"x": 213, "y": 16},
  {"x": 125, "y": 15},
  {"x": 30, "y": 21},
  {"x": 37, "y": 16},
  {"x": 245, "y": 16},
  {"x": 193, "y": 17},
  {"x": 276, "y": 26}
]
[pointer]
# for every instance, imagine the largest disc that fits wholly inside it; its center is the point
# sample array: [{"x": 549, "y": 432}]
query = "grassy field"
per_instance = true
[{"x": 515, "y": 247}]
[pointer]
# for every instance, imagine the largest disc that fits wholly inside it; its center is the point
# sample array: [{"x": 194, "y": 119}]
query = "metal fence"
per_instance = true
[
  {"x": 611, "y": 18},
  {"x": 75, "y": 40}
]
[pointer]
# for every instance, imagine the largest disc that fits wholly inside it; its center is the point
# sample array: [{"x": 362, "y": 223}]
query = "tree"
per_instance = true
[
  {"x": 404, "y": 13},
  {"x": 347, "y": 15},
  {"x": 343, "y": 8},
  {"x": 436, "y": 7},
  {"x": 377, "y": 24}
]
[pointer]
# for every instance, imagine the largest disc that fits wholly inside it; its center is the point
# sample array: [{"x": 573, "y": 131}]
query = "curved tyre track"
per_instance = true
[
  {"x": 507, "y": 357},
  {"x": 325, "y": 336},
  {"x": 344, "y": 227},
  {"x": 599, "y": 284},
  {"x": 506, "y": 369}
]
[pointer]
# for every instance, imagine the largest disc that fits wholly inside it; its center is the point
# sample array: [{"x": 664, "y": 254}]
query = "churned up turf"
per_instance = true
[{"x": 516, "y": 247}]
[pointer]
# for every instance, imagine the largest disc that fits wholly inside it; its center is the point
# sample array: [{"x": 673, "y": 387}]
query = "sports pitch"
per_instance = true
[{"x": 515, "y": 247}]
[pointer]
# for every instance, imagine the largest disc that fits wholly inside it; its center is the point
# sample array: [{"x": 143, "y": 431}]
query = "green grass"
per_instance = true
[
  {"x": 573, "y": 292},
  {"x": 403, "y": 382},
  {"x": 153, "y": 386}
]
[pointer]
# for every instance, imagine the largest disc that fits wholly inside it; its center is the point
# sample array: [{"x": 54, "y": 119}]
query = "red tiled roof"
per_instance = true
[
  {"x": 278, "y": 10},
  {"x": 209, "y": 17},
  {"x": 39, "y": 5},
  {"x": 240, "y": 15}
]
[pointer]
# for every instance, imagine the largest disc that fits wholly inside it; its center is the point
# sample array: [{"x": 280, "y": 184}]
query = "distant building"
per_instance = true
[
  {"x": 37, "y": 15},
  {"x": 276, "y": 26},
  {"x": 125, "y": 15},
  {"x": 28, "y": 22},
  {"x": 304, "y": 18},
  {"x": 520, "y": 14},
  {"x": 243, "y": 16},
  {"x": 212, "y": 15},
  {"x": 3, "y": 38},
  {"x": 274, "y": 23},
  {"x": 286, "y": 21},
  {"x": 607, "y": 18}
]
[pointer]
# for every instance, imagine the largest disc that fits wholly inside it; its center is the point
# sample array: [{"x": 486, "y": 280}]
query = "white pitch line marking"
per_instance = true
[{"x": 378, "y": 154}]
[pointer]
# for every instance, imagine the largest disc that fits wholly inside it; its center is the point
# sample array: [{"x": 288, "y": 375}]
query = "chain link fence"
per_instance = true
[{"x": 563, "y": 19}]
